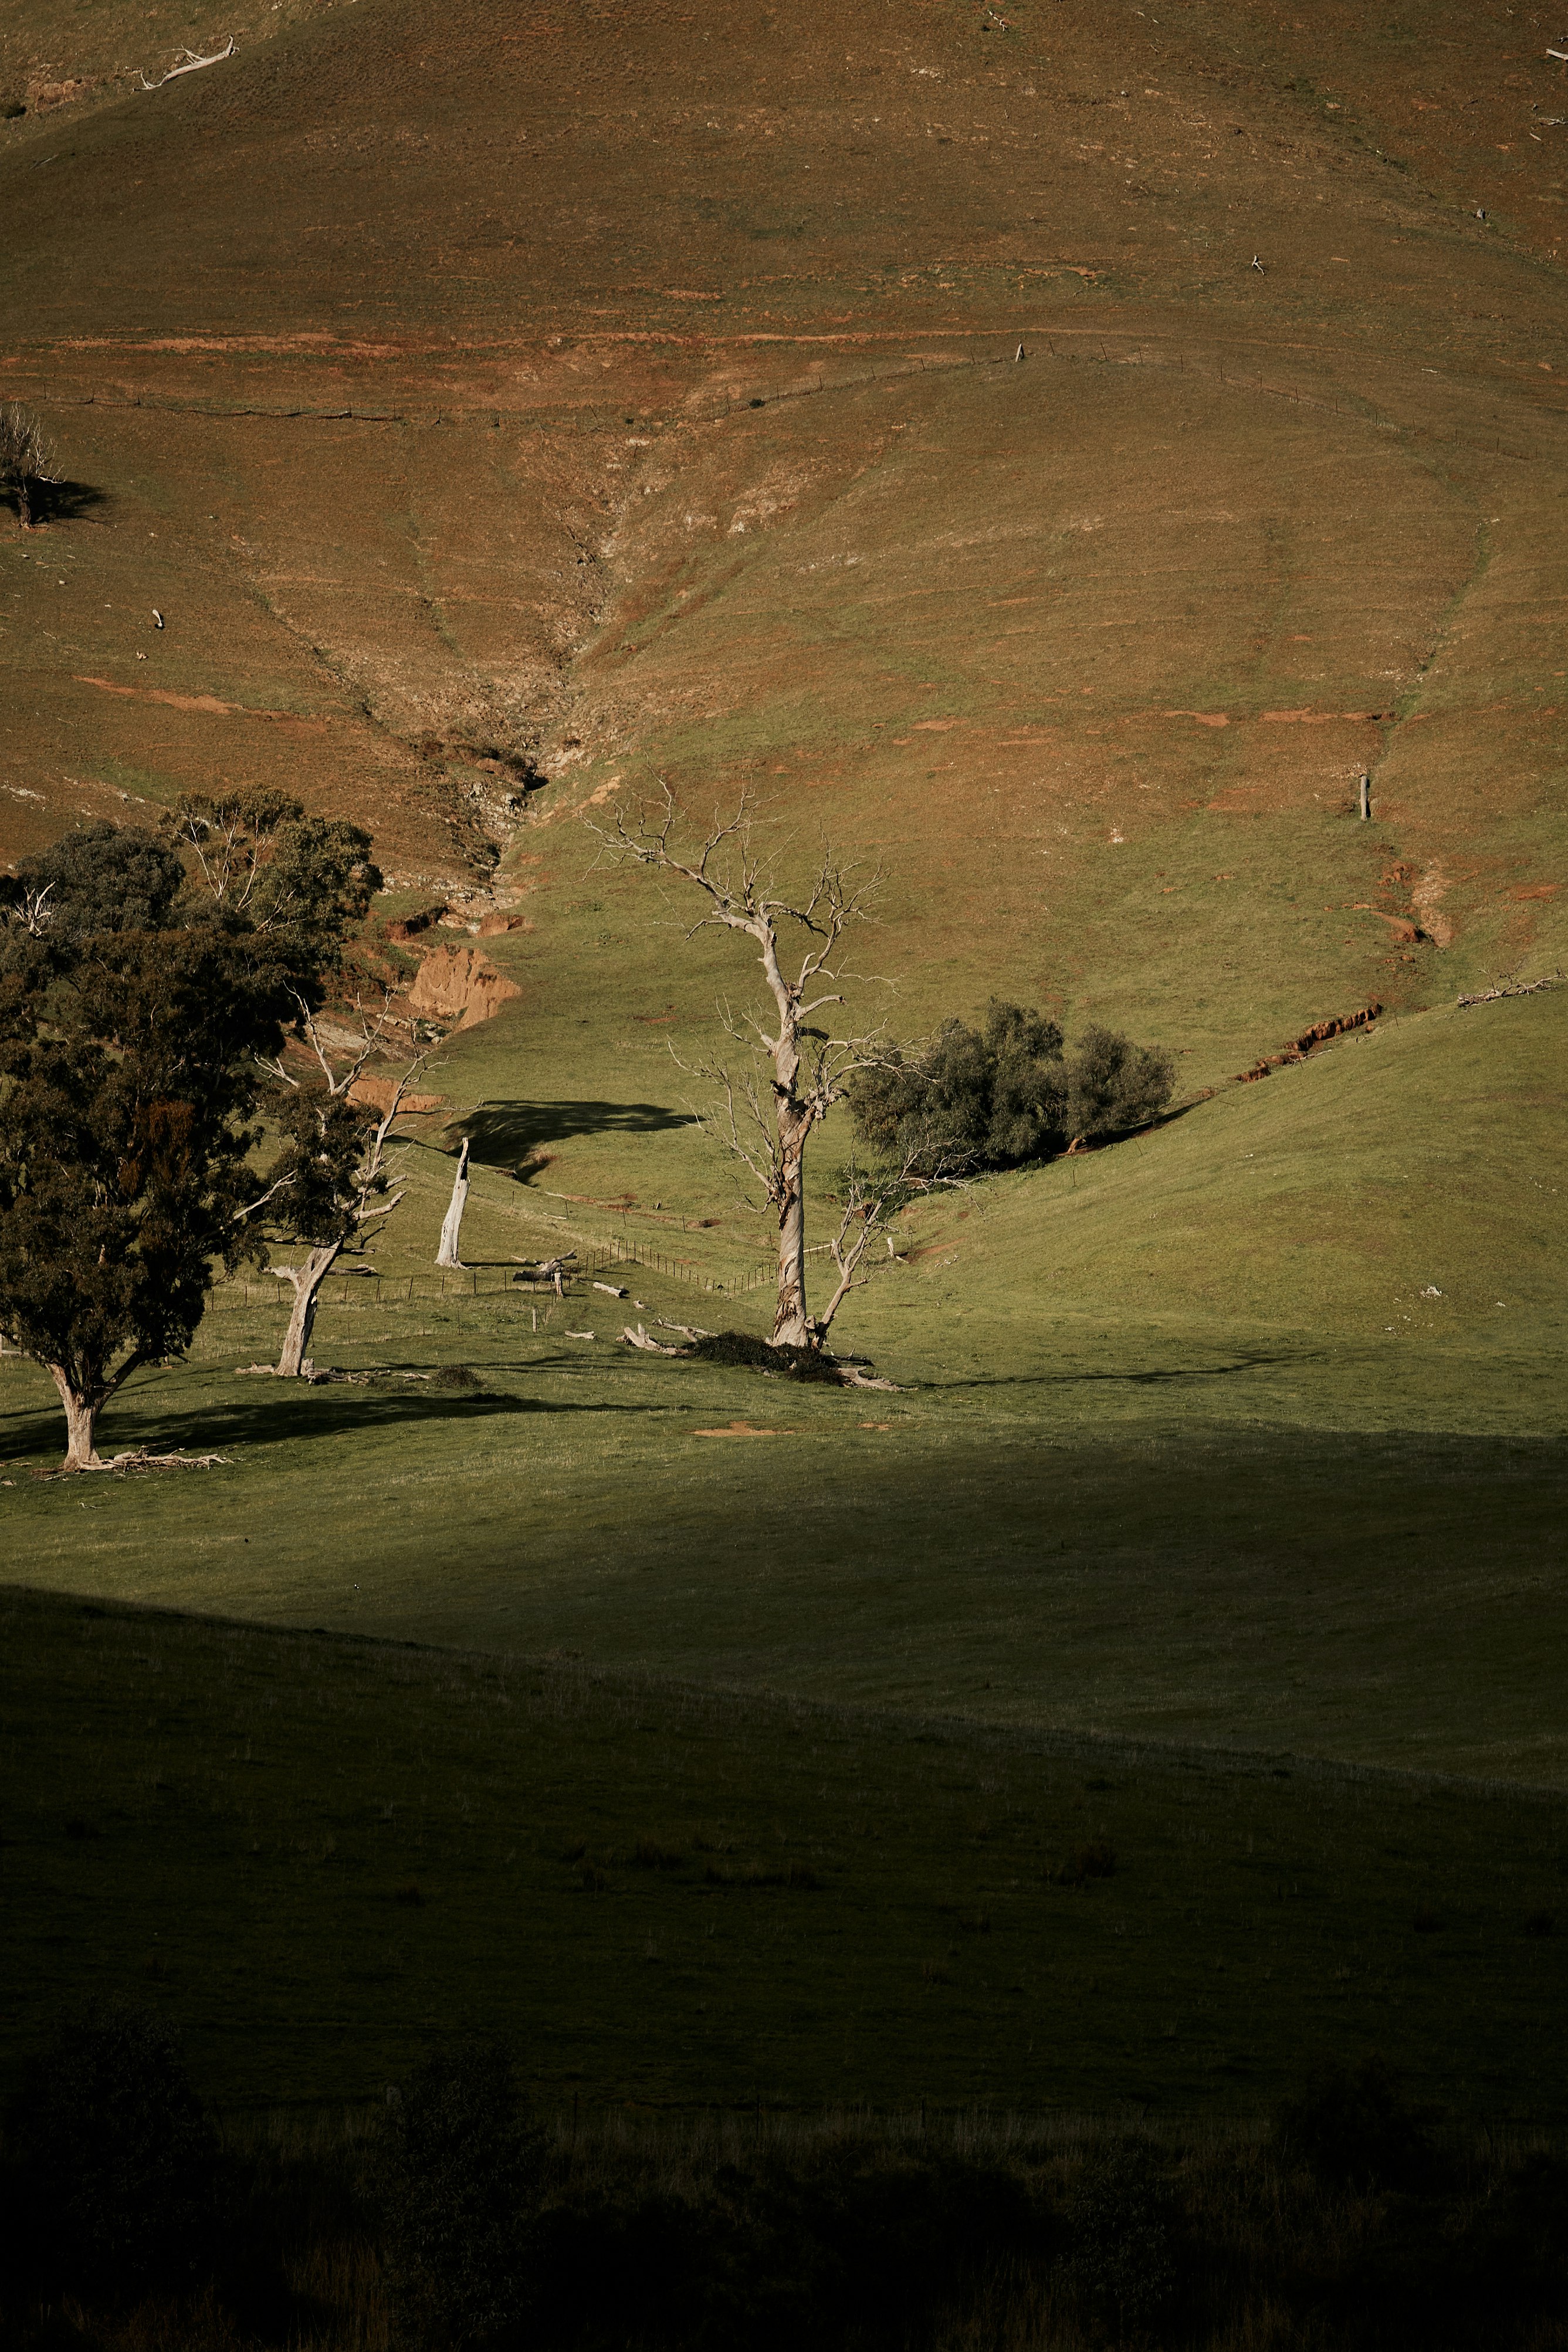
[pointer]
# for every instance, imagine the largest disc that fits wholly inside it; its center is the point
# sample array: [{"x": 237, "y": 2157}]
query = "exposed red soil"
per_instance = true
[
  {"x": 627, "y": 394},
  {"x": 460, "y": 984}
]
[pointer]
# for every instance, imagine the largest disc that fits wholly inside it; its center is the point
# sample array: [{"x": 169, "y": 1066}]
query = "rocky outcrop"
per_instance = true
[{"x": 460, "y": 984}]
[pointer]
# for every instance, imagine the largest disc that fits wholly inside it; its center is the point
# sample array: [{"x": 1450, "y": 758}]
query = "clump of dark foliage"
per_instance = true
[
  {"x": 740, "y": 1348},
  {"x": 1008, "y": 1092},
  {"x": 1354, "y": 2129},
  {"x": 461, "y": 2184},
  {"x": 116, "y": 2192},
  {"x": 451, "y": 2220}
]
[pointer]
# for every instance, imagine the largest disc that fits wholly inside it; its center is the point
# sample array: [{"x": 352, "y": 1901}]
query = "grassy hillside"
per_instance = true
[
  {"x": 626, "y": 396},
  {"x": 1052, "y": 452},
  {"x": 315, "y": 1853},
  {"x": 1179, "y": 1445}
]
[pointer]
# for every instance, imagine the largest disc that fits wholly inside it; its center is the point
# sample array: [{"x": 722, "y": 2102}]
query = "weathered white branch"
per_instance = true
[{"x": 193, "y": 65}]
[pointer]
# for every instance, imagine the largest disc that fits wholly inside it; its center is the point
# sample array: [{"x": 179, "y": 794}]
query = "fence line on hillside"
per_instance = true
[{"x": 495, "y": 1281}]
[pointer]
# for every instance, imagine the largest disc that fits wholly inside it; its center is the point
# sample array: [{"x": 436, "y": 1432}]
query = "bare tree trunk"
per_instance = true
[
  {"x": 791, "y": 1326},
  {"x": 81, "y": 1422},
  {"x": 450, "y": 1253},
  {"x": 307, "y": 1280}
]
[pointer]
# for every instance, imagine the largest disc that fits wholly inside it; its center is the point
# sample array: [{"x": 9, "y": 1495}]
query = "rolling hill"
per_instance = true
[{"x": 1051, "y": 452}]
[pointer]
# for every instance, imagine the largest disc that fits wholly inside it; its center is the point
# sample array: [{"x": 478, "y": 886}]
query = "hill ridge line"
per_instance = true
[{"x": 914, "y": 1727}]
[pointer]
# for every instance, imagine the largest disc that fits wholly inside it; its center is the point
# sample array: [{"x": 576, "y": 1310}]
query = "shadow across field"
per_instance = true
[
  {"x": 286, "y": 1413},
  {"x": 502, "y": 1133},
  {"x": 277, "y": 1417},
  {"x": 1152, "y": 1376}
]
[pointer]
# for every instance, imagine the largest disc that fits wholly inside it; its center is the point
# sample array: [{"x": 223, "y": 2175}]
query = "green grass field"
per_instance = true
[
  {"x": 319, "y": 1852},
  {"x": 643, "y": 402},
  {"x": 1095, "y": 1500}
]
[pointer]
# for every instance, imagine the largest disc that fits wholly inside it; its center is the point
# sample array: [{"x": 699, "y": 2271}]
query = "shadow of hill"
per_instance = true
[{"x": 500, "y": 1134}]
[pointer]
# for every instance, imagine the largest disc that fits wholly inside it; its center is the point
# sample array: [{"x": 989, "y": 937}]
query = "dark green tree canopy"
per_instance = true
[
  {"x": 1007, "y": 1092},
  {"x": 258, "y": 862},
  {"x": 102, "y": 877},
  {"x": 134, "y": 1011},
  {"x": 322, "y": 1143}
]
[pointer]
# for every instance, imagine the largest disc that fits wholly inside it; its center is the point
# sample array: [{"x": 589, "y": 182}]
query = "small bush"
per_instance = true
[
  {"x": 1124, "y": 2244},
  {"x": 461, "y": 2192},
  {"x": 1095, "y": 1860},
  {"x": 458, "y": 1380},
  {"x": 649, "y": 1854},
  {"x": 116, "y": 2159},
  {"x": 1354, "y": 2129},
  {"x": 794, "y": 1874}
]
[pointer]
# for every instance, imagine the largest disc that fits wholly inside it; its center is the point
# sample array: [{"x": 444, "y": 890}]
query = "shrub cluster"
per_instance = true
[{"x": 1007, "y": 1092}]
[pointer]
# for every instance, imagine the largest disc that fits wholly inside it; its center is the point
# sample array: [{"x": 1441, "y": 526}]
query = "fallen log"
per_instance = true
[
  {"x": 638, "y": 1338},
  {"x": 194, "y": 64},
  {"x": 1510, "y": 987}
]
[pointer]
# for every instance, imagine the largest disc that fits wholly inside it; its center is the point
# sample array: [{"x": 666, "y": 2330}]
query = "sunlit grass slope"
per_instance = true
[
  {"x": 316, "y": 1854},
  {"x": 1097, "y": 1500}
]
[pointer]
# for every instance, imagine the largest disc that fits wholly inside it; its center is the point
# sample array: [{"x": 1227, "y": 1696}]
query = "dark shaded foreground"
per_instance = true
[
  {"x": 449, "y": 2216},
  {"x": 315, "y": 1855}
]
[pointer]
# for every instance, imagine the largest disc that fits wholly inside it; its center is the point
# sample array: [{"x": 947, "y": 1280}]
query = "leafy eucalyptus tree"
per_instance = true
[{"x": 139, "y": 1000}]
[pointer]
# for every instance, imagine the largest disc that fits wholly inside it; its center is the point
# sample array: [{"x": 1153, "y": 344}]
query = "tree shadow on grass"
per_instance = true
[
  {"x": 60, "y": 501},
  {"x": 500, "y": 1134},
  {"x": 1155, "y": 1376},
  {"x": 283, "y": 1412}
]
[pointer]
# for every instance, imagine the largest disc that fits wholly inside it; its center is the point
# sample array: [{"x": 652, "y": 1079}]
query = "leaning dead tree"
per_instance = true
[
  {"x": 26, "y": 460},
  {"x": 332, "y": 1182},
  {"x": 767, "y": 1108},
  {"x": 450, "y": 1253}
]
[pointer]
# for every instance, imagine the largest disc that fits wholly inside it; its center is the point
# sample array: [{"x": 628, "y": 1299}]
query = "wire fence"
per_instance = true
[{"x": 373, "y": 1288}]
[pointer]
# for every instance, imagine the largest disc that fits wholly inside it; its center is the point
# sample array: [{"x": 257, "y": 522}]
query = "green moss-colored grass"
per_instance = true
[
  {"x": 1099, "y": 1497},
  {"x": 317, "y": 1853}
]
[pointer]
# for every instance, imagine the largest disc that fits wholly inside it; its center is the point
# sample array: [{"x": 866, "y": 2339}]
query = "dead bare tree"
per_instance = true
[
  {"x": 26, "y": 459},
  {"x": 332, "y": 1180},
  {"x": 869, "y": 1201},
  {"x": 766, "y": 1112},
  {"x": 450, "y": 1253}
]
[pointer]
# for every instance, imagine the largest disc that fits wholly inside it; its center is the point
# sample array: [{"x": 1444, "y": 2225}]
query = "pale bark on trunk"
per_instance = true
[
  {"x": 450, "y": 1252},
  {"x": 81, "y": 1422},
  {"x": 792, "y": 1327},
  {"x": 307, "y": 1280}
]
